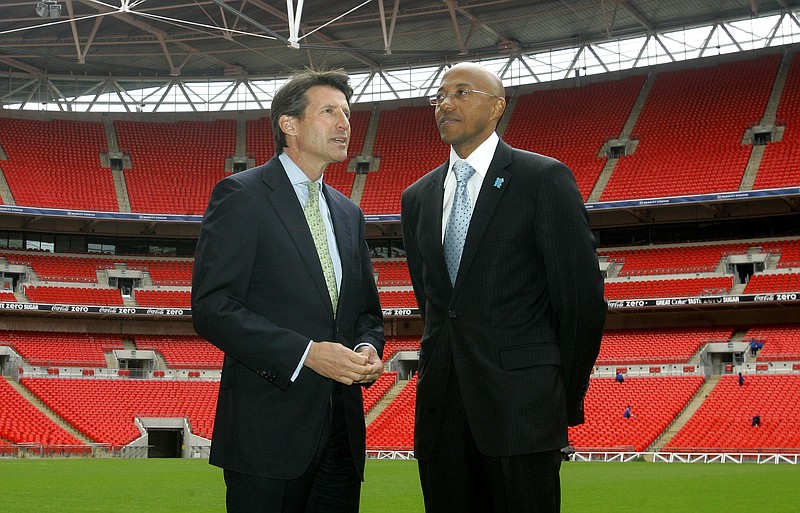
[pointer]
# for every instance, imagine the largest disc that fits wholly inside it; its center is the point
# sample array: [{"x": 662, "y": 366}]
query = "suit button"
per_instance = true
[{"x": 452, "y": 314}]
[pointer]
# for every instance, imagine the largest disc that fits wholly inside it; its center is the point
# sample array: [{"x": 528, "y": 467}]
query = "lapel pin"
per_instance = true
[{"x": 498, "y": 182}]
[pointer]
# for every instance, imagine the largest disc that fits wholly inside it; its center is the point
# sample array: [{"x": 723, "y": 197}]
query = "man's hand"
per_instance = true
[
  {"x": 339, "y": 363},
  {"x": 373, "y": 362}
]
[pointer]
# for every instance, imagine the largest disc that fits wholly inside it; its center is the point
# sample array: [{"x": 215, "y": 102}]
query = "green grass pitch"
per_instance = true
[{"x": 175, "y": 486}]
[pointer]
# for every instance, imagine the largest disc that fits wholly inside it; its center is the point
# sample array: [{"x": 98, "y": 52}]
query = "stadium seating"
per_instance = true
[
  {"x": 672, "y": 259},
  {"x": 183, "y": 351},
  {"x": 690, "y": 131},
  {"x": 393, "y": 428},
  {"x": 665, "y": 345},
  {"x": 724, "y": 420},
  {"x": 23, "y": 423},
  {"x": 395, "y": 344},
  {"x": 105, "y": 296},
  {"x": 773, "y": 282},
  {"x": 780, "y": 166},
  {"x": 548, "y": 121},
  {"x": 679, "y": 287},
  {"x": 104, "y": 410},
  {"x": 408, "y": 145},
  {"x": 654, "y": 402},
  {"x": 391, "y": 273},
  {"x": 47, "y": 348},
  {"x": 377, "y": 390},
  {"x": 781, "y": 342},
  {"x": 397, "y": 299},
  {"x": 163, "y": 298},
  {"x": 64, "y": 171},
  {"x": 175, "y": 165}
]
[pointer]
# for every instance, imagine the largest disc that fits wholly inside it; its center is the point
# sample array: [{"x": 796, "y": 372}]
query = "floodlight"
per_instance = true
[{"x": 48, "y": 9}]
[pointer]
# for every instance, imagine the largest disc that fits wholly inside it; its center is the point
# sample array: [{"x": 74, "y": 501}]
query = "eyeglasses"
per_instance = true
[{"x": 458, "y": 94}]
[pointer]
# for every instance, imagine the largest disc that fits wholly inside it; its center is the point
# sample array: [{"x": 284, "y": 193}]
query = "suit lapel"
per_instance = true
[
  {"x": 284, "y": 200},
  {"x": 430, "y": 240},
  {"x": 495, "y": 183},
  {"x": 345, "y": 234}
]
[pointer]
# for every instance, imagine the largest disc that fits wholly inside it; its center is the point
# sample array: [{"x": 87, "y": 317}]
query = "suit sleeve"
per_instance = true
[
  {"x": 369, "y": 323},
  {"x": 413, "y": 256},
  {"x": 225, "y": 261},
  {"x": 575, "y": 283}
]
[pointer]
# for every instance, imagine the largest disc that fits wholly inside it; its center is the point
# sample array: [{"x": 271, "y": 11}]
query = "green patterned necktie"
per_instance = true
[{"x": 317, "y": 227}]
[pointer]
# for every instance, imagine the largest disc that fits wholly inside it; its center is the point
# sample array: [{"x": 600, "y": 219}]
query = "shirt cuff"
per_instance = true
[
  {"x": 302, "y": 362},
  {"x": 367, "y": 344}
]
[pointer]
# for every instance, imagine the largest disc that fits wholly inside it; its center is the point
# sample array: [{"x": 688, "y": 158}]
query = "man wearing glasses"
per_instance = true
[{"x": 506, "y": 277}]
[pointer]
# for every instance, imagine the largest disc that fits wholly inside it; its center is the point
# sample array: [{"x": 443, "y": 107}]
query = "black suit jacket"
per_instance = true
[
  {"x": 521, "y": 328},
  {"x": 259, "y": 294}
]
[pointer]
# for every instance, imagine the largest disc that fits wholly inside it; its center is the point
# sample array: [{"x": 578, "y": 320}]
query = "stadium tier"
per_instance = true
[
  {"x": 57, "y": 164},
  {"x": 22, "y": 423},
  {"x": 163, "y": 298},
  {"x": 781, "y": 343},
  {"x": 673, "y": 259},
  {"x": 408, "y": 146},
  {"x": 104, "y": 296},
  {"x": 391, "y": 272},
  {"x": 105, "y": 410},
  {"x": 776, "y": 282},
  {"x": 654, "y": 402},
  {"x": 377, "y": 390},
  {"x": 547, "y": 121},
  {"x": 47, "y": 348},
  {"x": 187, "y": 156},
  {"x": 724, "y": 421},
  {"x": 674, "y": 345},
  {"x": 690, "y": 131},
  {"x": 395, "y": 344},
  {"x": 780, "y": 165},
  {"x": 679, "y": 287},
  {"x": 393, "y": 428},
  {"x": 182, "y": 351}
]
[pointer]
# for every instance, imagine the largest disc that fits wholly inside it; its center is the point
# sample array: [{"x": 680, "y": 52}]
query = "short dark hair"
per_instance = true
[{"x": 291, "y": 99}]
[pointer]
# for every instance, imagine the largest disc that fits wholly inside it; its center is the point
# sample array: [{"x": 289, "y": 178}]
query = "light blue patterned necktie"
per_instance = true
[
  {"x": 458, "y": 223},
  {"x": 317, "y": 227}
]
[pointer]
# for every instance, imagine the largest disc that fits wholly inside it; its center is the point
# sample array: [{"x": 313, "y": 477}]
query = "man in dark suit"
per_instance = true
[
  {"x": 513, "y": 313},
  {"x": 283, "y": 284}
]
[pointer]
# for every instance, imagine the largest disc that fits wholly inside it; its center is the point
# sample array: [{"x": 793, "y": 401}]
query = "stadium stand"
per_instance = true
[
  {"x": 63, "y": 173},
  {"x": 690, "y": 131},
  {"x": 780, "y": 166},
  {"x": 46, "y": 348},
  {"x": 773, "y": 282},
  {"x": 397, "y": 299},
  {"x": 393, "y": 428},
  {"x": 164, "y": 272},
  {"x": 104, "y": 296},
  {"x": 678, "y": 287},
  {"x": 654, "y": 402},
  {"x": 546, "y": 122},
  {"x": 22, "y": 423},
  {"x": 163, "y": 298},
  {"x": 665, "y": 345},
  {"x": 104, "y": 410},
  {"x": 391, "y": 272},
  {"x": 724, "y": 420},
  {"x": 672, "y": 259},
  {"x": 182, "y": 351},
  {"x": 408, "y": 145},
  {"x": 49, "y": 267},
  {"x": 781, "y": 342},
  {"x": 7, "y": 296},
  {"x": 187, "y": 156},
  {"x": 395, "y": 344},
  {"x": 377, "y": 390}
]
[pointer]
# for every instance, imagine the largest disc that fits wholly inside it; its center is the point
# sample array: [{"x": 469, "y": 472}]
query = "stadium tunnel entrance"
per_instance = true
[{"x": 163, "y": 437}]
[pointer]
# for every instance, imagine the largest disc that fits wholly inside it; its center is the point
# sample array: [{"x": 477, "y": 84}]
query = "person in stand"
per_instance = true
[
  {"x": 620, "y": 378},
  {"x": 756, "y": 422},
  {"x": 504, "y": 270},
  {"x": 627, "y": 413},
  {"x": 283, "y": 284},
  {"x": 741, "y": 380}
]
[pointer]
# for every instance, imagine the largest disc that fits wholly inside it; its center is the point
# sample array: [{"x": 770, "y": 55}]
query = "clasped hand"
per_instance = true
[{"x": 344, "y": 365}]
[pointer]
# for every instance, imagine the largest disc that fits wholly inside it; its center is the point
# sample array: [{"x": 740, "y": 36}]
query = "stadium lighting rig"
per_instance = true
[{"x": 48, "y": 9}]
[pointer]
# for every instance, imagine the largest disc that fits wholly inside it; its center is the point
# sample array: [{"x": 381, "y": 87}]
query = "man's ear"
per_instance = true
[
  {"x": 499, "y": 108},
  {"x": 287, "y": 124}
]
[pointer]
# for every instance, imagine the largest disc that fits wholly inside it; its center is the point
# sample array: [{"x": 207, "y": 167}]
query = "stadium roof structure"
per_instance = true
[{"x": 215, "y": 55}]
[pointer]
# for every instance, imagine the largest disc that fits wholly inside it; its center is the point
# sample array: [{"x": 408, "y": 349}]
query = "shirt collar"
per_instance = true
[
  {"x": 295, "y": 174},
  {"x": 480, "y": 158}
]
